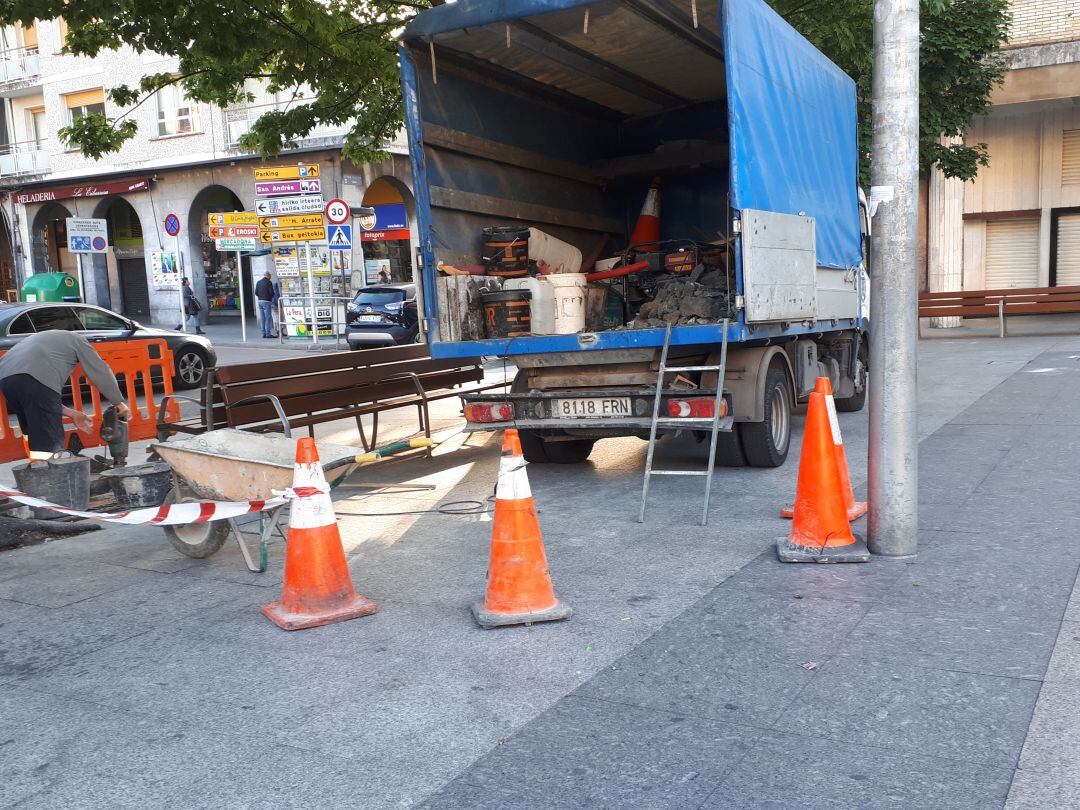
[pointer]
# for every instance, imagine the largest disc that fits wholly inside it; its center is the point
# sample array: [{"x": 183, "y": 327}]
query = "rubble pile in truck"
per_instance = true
[{"x": 681, "y": 300}]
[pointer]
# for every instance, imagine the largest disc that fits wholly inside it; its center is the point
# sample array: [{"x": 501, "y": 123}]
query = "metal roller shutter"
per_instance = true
[
  {"x": 1068, "y": 250},
  {"x": 1012, "y": 253},
  {"x": 1070, "y": 157}
]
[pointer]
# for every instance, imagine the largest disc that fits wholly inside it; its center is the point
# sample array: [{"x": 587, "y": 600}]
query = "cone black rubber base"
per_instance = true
[
  {"x": 488, "y": 620},
  {"x": 857, "y": 552}
]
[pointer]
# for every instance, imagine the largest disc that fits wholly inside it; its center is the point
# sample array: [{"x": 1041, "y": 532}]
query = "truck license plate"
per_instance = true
[{"x": 592, "y": 407}]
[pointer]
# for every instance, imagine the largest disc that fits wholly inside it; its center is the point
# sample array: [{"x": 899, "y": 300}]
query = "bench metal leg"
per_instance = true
[
  {"x": 363, "y": 435},
  {"x": 369, "y": 444},
  {"x": 1001, "y": 318}
]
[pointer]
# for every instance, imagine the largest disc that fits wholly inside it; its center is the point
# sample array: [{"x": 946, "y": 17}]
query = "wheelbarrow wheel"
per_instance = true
[{"x": 198, "y": 540}]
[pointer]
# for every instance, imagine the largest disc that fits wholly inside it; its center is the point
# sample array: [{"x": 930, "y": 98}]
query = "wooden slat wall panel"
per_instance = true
[{"x": 1012, "y": 253}]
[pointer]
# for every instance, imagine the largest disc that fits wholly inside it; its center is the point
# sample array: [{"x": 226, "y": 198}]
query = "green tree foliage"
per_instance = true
[
  {"x": 959, "y": 66},
  {"x": 344, "y": 54},
  {"x": 338, "y": 58}
]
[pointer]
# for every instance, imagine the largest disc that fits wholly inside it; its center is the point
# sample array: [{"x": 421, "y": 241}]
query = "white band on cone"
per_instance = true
[
  {"x": 834, "y": 422},
  {"x": 513, "y": 480},
  {"x": 314, "y": 511}
]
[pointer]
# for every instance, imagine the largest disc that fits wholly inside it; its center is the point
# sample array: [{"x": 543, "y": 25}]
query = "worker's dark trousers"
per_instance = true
[{"x": 38, "y": 409}]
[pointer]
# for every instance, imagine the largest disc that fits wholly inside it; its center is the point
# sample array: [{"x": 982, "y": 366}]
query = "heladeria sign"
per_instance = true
[{"x": 73, "y": 192}]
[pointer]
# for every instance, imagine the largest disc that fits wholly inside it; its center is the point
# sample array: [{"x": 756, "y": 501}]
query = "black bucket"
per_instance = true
[
  {"x": 140, "y": 486},
  {"x": 506, "y": 251},
  {"x": 506, "y": 313},
  {"x": 63, "y": 481}
]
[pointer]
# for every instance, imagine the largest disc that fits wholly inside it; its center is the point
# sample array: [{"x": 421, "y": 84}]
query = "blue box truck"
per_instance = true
[{"x": 558, "y": 115}]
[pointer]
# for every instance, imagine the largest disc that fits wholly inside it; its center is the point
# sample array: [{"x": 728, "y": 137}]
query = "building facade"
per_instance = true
[
  {"x": 184, "y": 160},
  {"x": 1018, "y": 223}
]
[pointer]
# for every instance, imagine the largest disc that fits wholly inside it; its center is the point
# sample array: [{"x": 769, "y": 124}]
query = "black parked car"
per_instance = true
[
  {"x": 192, "y": 354},
  {"x": 383, "y": 315}
]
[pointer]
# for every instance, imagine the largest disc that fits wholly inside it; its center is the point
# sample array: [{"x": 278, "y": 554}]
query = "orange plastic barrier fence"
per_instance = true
[{"x": 139, "y": 365}]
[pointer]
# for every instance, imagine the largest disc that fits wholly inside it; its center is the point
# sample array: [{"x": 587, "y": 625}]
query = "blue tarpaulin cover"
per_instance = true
[
  {"x": 791, "y": 114},
  {"x": 792, "y": 122}
]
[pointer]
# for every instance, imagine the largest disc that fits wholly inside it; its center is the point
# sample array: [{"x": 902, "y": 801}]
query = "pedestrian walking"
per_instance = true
[
  {"x": 32, "y": 377},
  {"x": 264, "y": 292},
  {"x": 277, "y": 299},
  {"x": 192, "y": 307}
]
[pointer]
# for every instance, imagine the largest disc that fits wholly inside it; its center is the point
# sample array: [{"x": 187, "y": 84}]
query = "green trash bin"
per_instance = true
[{"x": 50, "y": 287}]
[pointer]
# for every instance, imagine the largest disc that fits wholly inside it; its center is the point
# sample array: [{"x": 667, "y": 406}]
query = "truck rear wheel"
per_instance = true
[
  {"x": 765, "y": 443},
  {"x": 857, "y": 400}
]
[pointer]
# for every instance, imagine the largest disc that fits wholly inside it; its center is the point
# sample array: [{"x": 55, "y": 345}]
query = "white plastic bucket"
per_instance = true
[
  {"x": 569, "y": 292},
  {"x": 541, "y": 305},
  {"x": 559, "y": 256}
]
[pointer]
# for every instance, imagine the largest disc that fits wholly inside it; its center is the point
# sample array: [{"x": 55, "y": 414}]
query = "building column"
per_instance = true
[{"x": 945, "y": 259}]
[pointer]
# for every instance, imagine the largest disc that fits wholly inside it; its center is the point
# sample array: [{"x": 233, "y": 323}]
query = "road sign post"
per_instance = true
[
  {"x": 240, "y": 293},
  {"x": 172, "y": 228},
  {"x": 311, "y": 295},
  {"x": 289, "y": 204}
]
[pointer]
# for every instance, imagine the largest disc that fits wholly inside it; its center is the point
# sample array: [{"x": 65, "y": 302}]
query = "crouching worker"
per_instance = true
[{"x": 33, "y": 375}]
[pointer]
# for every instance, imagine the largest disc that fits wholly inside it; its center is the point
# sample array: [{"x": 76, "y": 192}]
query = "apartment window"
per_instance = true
[
  {"x": 88, "y": 102},
  {"x": 35, "y": 126},
  {"x": 176, "y": 114}
]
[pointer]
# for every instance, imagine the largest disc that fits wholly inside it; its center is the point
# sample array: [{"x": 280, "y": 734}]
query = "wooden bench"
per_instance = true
[
  {"x": 999, "y": 303},
  {"x": 305, "y": 391}
]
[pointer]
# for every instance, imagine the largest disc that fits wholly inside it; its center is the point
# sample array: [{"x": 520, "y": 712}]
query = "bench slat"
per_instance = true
[
  {"x": 316, "y": 364},
  {"x": 324, "y": 401},
  {"x": 994, "y": 294},
  {"x": 351, "y": 378}
]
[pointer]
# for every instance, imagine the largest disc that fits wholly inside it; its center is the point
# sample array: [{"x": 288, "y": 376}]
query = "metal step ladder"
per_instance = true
[{"x": 715, "y": 422}]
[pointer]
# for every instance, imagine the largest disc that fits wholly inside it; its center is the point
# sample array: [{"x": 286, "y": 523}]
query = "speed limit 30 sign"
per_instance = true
[{"x": 337, "y": 212}]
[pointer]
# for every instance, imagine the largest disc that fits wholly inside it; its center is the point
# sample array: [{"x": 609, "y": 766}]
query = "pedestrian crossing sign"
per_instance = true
[{"x": 339, "y": 237}]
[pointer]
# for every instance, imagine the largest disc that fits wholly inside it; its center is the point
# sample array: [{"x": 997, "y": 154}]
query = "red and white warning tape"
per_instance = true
[{"x": 178, "y": 514}]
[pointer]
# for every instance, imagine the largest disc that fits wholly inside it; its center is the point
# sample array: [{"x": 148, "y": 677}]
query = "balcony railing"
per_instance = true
[
  {"x": 22, "y": 159},
  {"x": 19, "y": 65},
  {"x": 238, "y": 122}
]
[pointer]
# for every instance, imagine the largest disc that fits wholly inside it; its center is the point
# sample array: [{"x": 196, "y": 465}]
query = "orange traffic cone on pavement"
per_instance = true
[
  {"x": 647, "y": 229},
  {"x": 855, "y": 509},
  {"x": 820, "y": 531},
  {"x": 317, "y": 589},
  {"x": 519, "y": 589}
]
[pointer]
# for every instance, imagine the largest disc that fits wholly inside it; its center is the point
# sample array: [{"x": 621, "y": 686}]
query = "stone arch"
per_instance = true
[
  {"x": 387, "y": 190},
  {"x": 119, "y": 276},
  {"x": 215, "y": 276},
  {"x": 9, "y": 276},
  {"x": 47, "y": 230}
]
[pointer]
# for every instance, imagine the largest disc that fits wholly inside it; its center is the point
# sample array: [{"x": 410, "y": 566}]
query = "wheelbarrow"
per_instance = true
[{"x": 234, "y": 465}]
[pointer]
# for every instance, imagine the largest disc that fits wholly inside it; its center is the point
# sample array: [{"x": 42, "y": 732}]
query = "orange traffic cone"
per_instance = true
[
  {"x": 820, "y": 531},
  {"x": 317, "y": 589},
  {"x": 519, "y": 589},
  {"x": 855, "y": 509},
  {"x": 647, "y": 229}
]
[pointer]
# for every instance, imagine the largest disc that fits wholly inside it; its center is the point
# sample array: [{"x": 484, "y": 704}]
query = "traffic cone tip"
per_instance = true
[{"x": 306, "y": 451}]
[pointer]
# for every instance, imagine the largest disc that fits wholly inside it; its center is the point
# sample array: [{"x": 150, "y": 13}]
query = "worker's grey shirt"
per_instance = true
[{"x": 50, "y": 357}]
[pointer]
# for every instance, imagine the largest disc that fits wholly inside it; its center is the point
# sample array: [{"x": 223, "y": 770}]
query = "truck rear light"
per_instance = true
[
  {"x": 695, "y": 408},
  {"x": 489, "y": 412}
]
